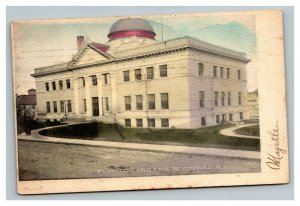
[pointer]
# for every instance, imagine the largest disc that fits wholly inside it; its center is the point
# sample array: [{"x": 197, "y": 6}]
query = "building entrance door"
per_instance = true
[{"x": 95, "y": 104}]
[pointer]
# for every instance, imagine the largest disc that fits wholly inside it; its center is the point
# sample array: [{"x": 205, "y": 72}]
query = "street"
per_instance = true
[{"x": 45, "y": 161}]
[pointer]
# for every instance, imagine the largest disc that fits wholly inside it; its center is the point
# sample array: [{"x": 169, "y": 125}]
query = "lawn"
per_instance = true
[
  {"x": 250, "y": 121},
  {"x": 204, "y": 137},
  {"x": 33, "y": 124},
  {"x": 251, "y": 130}
]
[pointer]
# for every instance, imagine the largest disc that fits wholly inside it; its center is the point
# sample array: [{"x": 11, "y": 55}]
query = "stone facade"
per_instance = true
[{"x": 253, "y": 107}]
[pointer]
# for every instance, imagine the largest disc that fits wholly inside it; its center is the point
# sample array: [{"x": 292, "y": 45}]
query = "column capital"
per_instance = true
[
  {"x": 112, "y": 74},
  {"x": 88, "y": 77},
  {"x": 74, "y": 78}
]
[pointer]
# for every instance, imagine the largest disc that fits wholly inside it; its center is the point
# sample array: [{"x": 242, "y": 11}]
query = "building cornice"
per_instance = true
[{"x": 147, "y": 55}]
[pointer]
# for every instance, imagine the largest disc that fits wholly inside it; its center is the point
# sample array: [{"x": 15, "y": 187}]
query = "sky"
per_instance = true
[{"x": 41, "y": 43}]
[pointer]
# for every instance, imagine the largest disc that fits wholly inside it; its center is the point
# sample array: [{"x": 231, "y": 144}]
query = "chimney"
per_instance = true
[
  {"x": 31, "y": 92},
  {"x": 80, "y": 42}
]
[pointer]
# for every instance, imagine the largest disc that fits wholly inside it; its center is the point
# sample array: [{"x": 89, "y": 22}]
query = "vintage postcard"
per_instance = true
[{"x": 150, "y": 102}]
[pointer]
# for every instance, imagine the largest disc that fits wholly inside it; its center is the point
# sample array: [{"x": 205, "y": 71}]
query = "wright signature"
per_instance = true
[{"x": 275, "y": 158}]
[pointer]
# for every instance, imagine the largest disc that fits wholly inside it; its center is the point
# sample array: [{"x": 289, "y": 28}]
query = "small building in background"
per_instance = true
[
  {"x": 26, "y": 104},
  {"x": 252, "y": 101}
]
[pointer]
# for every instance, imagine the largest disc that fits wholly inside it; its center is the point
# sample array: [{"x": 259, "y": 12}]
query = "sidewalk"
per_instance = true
[
  {"x": 229, "y": 131},
  {"x": 147, "y": 147}
]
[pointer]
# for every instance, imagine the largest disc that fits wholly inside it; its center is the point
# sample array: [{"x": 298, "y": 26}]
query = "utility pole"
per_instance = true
[{"x": 162, "y": 29}]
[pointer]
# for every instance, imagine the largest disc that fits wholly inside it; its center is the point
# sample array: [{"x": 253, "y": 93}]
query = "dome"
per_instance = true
[{"x": 131, "y": 27}]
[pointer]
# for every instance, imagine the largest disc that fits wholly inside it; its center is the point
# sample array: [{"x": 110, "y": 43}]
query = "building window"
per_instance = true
[
  {"x": 229, "y": 98},
  {"x": 105, "y": 76},
  {"x": 201, "y": 99},
  {"x": 221, "y": 72},
  {"x": 241, "y": 115},
  {"x": 150, "y": 73},
  {"x": 106, "y": 104},
  {"x": 60, "y": 83},
  {"x": 127, "y": 122},
  {"x": 84, "y": 105},
  {"x": 216, "y": 97},
  {"x": 228, "y": 73},
  {"x": 230, "y": 117},
  {"x": 54, "y": 106},
  {"x": 62, "y": 106},
  {"x": 163, "y": 69},
  {"x": 94, "y": 80},
  {"x": 127, "y": 103},
  {"x": 151, "y": 122},
  {"x": 138, "y": 74},
  {"x": 239, "y": 74},
  {"x": 215, "y": 71},
  {"x": 139, "y": 102},
  {"x": 223, "y": 117},
  {"x": 217, "y": 119},
  {"x": 223, "y": 98},
  {"x": 53, "y": 85},
  {"x": 95, "y": 106},
  {"x": 164, "y": 100},
  {"x": 139, "y": 122},
  {"x": 48, "y": 107},
  {"x": 164, "y": 122},
  {"x": 151, "y": 101},
  {"x": 69, "y": 106},
  {"x": 68, "y": 82},
  {"x": 200, "y": 68},
  {"x": 240, "y": 98},
  {"x": 47, "y": 86},
  {"x": 203, "y": 121},
  {"x": 126, "y": 76}
]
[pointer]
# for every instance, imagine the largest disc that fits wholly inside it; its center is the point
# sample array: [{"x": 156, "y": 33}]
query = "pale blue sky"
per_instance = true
[{"x": 41, "y": 44}]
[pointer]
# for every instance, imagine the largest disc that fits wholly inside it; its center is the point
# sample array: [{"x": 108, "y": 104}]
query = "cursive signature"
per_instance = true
[{"x": 275, "y": 158}]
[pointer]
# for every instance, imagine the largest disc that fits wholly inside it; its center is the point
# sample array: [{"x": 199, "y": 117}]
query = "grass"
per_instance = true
[
  {"x": 251, "y": 130},
  {"x": 250, "y": 121},
  {"x": 204, "y": 137},
  {"x": 23, "y": 126}
]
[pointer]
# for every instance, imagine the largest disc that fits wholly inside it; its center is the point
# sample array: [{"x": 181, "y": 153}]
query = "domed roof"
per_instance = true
[{"x": 131, "y": 27}]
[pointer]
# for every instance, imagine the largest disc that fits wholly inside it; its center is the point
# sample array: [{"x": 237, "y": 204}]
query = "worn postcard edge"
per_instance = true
[{"x": 271, "y": 85}]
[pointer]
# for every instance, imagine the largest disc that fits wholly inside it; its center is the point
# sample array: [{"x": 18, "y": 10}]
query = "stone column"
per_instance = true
[
  {"x": 76, "y": 97},
  {"x": 114, "y": 105},
  {"x": 88, "y": 83},
  {"x": 100, "y": 94}
]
